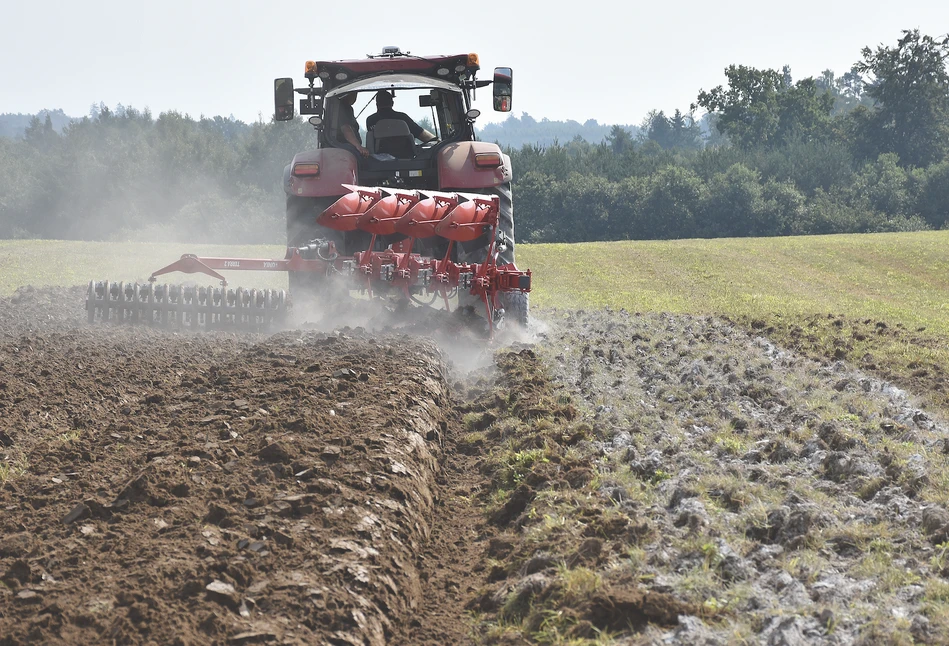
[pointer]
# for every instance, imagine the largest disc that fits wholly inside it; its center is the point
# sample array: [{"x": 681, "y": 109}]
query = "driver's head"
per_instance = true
[
  {"x": 383, "y": 99},
  {"x": 348, "y": 99}
]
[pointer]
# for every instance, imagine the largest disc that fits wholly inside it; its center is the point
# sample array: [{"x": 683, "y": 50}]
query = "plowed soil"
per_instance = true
[
  {"x": 211, "y": 488},
  {"x": 626, "y": 478}
]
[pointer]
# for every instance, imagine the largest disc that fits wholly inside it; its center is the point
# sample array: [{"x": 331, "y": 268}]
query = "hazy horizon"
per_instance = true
[{"x": 610, "y": 63}]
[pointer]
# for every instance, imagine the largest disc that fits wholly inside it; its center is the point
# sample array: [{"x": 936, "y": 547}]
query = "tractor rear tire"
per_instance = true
[
  {"x": 516, "y": 304},
  {"x": 505, "y": 220},
  {"x": 302, "y": 228}
]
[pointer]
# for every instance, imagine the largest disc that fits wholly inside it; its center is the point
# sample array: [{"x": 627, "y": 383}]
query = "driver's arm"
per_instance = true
[
  {"x": 351, "y": 137},
  {"x": 417, "y": 131}
]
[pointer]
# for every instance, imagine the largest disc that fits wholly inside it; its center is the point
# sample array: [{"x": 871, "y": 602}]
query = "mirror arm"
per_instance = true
[{"x": 309, "y": 91}]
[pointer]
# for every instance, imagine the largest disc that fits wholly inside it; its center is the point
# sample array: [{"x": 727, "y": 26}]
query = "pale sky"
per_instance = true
[{"x": 582, "y": 59}]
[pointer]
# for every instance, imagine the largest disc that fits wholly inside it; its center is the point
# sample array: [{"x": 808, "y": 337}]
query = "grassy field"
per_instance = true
[
  {"x": 57, "y": 262},
  {"x": 879, "y": 301},
  {"x": 902, "y": 278}
]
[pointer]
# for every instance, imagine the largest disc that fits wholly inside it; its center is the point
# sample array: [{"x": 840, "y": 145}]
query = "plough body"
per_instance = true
[{"x": 409, "y": 214}]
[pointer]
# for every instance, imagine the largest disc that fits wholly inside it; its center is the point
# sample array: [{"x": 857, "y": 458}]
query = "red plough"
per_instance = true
[{"x": 415, "y": 214}]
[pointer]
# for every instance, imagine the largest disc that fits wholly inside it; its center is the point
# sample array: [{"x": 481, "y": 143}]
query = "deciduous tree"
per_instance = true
[
  {"x": 762, "y": 108},
  {"x": 910, "y": 84}
]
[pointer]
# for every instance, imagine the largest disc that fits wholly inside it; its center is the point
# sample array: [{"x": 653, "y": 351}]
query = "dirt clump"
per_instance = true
[{"x": 553, "y": 543}]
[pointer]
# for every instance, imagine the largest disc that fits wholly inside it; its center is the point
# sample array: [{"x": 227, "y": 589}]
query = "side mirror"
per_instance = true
[
  {"x": 503, "y": 88},
  {"x": 283, "y": 99},
  {"x": 430, "y": 100}
]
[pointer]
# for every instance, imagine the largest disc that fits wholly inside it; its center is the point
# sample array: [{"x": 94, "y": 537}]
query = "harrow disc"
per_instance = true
[{"x": 180, "y": 306}]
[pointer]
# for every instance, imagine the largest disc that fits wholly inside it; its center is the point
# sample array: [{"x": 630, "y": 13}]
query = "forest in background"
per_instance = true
[
  {"x": 513, "y": 132},
  {"x": 15, "y": 125},
  {"x": 864, "y": 151}
]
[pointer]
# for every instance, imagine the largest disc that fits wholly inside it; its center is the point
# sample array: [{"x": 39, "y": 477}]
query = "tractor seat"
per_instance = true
[{"x": 391, "y": 136}]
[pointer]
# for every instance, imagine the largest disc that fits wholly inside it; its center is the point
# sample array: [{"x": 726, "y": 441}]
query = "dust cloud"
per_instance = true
[
  {"x": 461, "y": 338},
  {"x": 199, "y": 210}
]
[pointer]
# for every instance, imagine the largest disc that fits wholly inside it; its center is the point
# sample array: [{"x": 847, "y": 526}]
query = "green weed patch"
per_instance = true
[{"x": 553, "y": 565}]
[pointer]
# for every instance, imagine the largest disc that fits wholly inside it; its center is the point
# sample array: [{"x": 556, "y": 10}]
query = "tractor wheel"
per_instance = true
[
  {"x": 505, "y": 220},
  {"x": 301, "y": 229},
  {"x": 516, "y": 304}
]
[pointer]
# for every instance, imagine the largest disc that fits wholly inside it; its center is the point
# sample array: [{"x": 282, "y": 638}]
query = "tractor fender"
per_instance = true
[
  {"x": 337, "y": 167},
  {"x": 457, "y": 169}
]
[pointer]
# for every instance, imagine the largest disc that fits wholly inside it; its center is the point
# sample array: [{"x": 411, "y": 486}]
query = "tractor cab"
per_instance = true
[
  {"x": 433, "y": 94},
  {"x": 422, "y": 108},
  {"x": 436, "y": 106}
]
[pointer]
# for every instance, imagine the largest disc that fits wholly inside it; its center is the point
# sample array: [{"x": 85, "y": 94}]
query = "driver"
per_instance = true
[
  {"x": 348, "y": 126},
  {"x": 384, "y": 102}
]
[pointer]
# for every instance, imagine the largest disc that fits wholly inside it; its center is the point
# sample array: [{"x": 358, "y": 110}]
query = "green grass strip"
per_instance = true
[
  {"x": 901, "y": 277},
  {"x": 898, "y": 277}
]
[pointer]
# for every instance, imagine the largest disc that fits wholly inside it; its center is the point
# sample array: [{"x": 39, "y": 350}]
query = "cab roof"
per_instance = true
[
  {"x": 393, "y": 82},
  {"x": 448, "y": 68}
]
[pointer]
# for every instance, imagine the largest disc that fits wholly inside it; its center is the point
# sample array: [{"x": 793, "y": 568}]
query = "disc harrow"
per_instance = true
[{"x": 185, "y": 306}]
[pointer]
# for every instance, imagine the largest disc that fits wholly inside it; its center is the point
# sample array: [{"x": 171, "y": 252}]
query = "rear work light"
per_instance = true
[
  {"x": 306, "y": 170},
  {"x": 488, "y": 160}
]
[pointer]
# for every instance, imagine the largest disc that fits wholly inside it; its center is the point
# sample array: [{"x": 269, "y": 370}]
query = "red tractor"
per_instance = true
[
  {"x": 391, "y": 155},
  {"x": 405, "y": 202}
]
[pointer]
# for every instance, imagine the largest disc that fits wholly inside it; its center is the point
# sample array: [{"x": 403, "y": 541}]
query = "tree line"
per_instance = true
[
  {"x": 865, "y": 151},
  {"x": 516, "y": 132},
  {"x": 14, "y": 125},
  {"x": 124, "y": 174}
]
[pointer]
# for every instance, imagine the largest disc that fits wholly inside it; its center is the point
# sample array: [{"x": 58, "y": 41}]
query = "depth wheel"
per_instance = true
[
  {"x": 516, "y": 308},
  {"x": 516, "y": 304}
]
